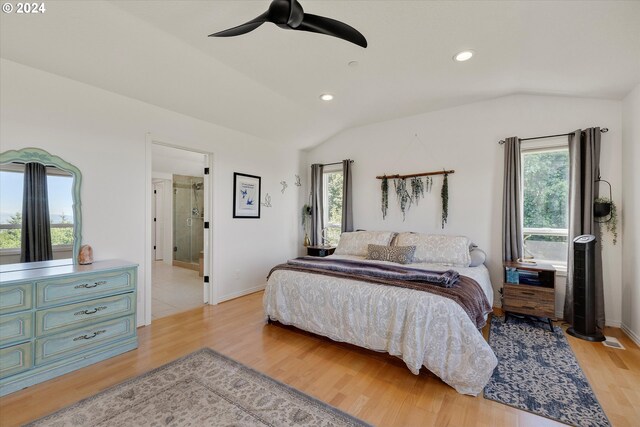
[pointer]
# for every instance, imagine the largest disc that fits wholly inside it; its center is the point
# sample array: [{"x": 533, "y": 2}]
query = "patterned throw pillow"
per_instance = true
[{"x": 397, "y": 254}]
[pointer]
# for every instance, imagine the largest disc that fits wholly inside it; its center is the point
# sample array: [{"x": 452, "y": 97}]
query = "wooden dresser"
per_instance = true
[{"x": 56, "y": 318}]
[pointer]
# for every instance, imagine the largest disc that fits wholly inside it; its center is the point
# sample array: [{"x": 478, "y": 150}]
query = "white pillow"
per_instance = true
[
  {"x": 477, "y": 256},
  {"x": 357, "y": 242},
  {"x": 437, "y": 248}
]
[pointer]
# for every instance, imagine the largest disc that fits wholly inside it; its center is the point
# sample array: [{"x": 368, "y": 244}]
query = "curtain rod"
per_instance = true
[
  {"x": 502, "y": 141},
  {"x": 335, "y": 163},
  {"x": 415, "y": 175}
]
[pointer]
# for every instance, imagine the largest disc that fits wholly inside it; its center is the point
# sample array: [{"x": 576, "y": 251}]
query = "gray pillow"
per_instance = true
[
  {"x": 478, "y": 257},
  {"x": 397, "y": 254}
]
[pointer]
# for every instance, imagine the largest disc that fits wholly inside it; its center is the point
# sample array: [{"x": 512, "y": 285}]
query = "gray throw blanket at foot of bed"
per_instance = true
[
  {"x": 449, "y": 284},
  {"x": 384, "y": 271}
]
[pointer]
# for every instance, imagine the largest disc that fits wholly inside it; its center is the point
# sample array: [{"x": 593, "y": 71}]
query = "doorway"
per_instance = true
[{"x": 179, "y": 237}]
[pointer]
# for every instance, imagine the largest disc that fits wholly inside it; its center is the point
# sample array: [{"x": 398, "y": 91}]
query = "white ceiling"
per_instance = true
[{"x": 267, "y": 83}]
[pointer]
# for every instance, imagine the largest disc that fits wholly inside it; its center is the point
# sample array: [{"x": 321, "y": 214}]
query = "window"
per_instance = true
[
  {"x": 332, "y": 190},
  {"x": 59, "y": 186},
  {"x": 545, "y": 182}
]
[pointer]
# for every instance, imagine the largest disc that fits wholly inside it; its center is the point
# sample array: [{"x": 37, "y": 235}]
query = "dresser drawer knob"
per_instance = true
[
  {"x": 89, "y": 286},
  {"x": 88, "y": 337},
  {"x": 94, "y": 311},
  {"x": 528, "y": 293}
]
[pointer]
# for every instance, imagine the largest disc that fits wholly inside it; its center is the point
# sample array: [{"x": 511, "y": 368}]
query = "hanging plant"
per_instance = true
[
  {"x": 610, "y": 224},
  {"x": 404, "y": 198},
  {"x": 385, "y": 196},
  {"x": 417, "y": 189},
  {"x": 444, "y": 194},
  {"x": 428, "y": 184},
  {"x": 306, "y": 214}
]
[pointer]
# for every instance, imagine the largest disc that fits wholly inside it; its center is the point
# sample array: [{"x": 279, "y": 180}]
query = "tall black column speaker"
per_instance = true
[{"x": 584, "y": 289}]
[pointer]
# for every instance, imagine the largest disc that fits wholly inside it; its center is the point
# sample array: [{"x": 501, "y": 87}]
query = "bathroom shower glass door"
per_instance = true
[{"x": 188, "y": 220}]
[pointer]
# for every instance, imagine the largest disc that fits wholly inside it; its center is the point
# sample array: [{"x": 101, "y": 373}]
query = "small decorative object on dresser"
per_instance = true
[
  {"x": 56, "y": 317},
  {"x": 85, "y": 256},
  {"x": 529, "y": 288},
  {"x": 320, "y": 251}
]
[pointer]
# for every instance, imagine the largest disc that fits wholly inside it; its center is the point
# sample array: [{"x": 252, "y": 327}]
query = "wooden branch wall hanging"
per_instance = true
[{"x": 417, "y": 189}]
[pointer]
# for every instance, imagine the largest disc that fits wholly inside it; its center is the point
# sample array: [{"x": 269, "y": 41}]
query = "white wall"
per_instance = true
[
  {"x": 631, "y": 211},
  {"x": 465, "y": 139},
  {"x": 103, "y": 134}
]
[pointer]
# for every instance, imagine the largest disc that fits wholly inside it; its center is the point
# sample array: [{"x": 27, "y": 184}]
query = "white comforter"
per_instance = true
[{"x": 419, "y": 327}]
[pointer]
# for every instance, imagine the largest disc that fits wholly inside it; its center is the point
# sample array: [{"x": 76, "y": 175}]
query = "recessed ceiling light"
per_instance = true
[
  {"x": 465, "y": 55},
  {"x": 326, "y": 97},
  {"x": 353, "y": 64}
]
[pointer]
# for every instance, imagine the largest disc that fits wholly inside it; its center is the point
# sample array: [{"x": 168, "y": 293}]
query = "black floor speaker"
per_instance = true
[{"x": 584, "y": 289}]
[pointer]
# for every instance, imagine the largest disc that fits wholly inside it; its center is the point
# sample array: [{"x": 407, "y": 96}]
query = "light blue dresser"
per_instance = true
[{"x": 57, "y": 317}]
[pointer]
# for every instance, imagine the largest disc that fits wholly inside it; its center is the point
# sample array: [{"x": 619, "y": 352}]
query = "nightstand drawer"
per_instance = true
[
  {"x": 59, "y": 291},
  {"x": 529, "y": 292},
  {"x": 16, "y": 327},
  {"x": 16, "y": 298},
  {"x": 532, "y": 300},
  {"x": 67, "y": 344},
  {"x": 15, "y": 359},
  {"x": 75, "y": 315},
  {"x": 531, "y": 307}
]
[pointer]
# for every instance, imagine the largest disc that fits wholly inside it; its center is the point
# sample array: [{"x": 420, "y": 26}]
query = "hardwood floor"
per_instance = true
[{"x": 372, "y": 386}]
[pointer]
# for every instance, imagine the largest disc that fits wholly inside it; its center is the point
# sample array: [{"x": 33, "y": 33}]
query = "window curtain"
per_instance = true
[
  {"x": 347, "y": 192},
  {"x": 584, "y": 168},
  {"x": 512, "y": 239},
  {"x": 317, "y": 208},
  {"x": 36, "y": 228}
]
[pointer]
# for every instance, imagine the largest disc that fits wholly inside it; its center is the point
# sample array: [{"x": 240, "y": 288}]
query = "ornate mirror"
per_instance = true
[{"x": 40, "y": 208}]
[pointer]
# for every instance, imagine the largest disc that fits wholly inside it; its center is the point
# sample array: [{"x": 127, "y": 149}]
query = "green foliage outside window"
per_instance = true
[
  {"x": 334, "y": 207},
  {"x": 11, "y": 238},
  {"x": 546, "y": 189}
]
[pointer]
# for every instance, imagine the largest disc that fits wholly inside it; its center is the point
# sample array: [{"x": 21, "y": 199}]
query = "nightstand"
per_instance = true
[
  {"x": 534, "y": 293},
  {"x": 320, "y": 251}
]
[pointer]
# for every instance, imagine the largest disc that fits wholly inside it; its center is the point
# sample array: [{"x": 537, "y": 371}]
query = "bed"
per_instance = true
[{"x": 422, "y": 328}]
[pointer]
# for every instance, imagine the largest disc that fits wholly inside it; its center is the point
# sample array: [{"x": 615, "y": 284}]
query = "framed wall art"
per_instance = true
[{"x": 246, "y": 196}]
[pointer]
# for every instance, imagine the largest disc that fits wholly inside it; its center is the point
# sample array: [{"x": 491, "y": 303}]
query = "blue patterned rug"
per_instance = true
[{"x": 538, "y": 372}]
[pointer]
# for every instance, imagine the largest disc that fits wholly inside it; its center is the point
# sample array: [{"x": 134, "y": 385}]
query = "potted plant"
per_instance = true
[
  {"x": 306, "y": 222},
  {"x": 605, "y": 212},
  {"x": 602, "y": 207}
]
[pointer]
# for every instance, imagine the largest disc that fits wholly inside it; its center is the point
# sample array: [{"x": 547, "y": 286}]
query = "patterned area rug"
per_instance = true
[
  {"x": 201, "y": 389},
  {"x": 538, "y": 372}
]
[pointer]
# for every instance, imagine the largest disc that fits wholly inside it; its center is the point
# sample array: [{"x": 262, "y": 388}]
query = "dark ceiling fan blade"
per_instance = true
[
  {"x": 244, "y": 28},
  {"x": 331, "y": 27},
  {"x": 296, "y": 13}
]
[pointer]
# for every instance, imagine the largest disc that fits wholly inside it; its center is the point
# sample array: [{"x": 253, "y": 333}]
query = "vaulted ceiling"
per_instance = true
[{"x": 268, "y": 82}]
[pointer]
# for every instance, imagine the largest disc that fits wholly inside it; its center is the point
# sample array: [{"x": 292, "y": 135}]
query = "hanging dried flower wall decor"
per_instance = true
[
  {"x": 444, "y": 194},
  {"x": 385, "y": 196}
]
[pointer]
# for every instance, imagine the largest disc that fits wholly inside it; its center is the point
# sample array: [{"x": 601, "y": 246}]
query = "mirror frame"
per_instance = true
[{"x": 31, "y": 154}]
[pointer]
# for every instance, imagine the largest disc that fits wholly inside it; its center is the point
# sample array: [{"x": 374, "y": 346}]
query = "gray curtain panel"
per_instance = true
[
  {"x": 512, "y": 239},
  {"x": 584, "y": 169},
  {"x": 36, "y": 227},
  {"x": 317, "y": 208},
  {"x": 347, "y": 195}
]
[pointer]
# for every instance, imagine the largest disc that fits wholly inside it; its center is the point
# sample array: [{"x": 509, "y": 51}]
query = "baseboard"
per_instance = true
[
  {"x": 613, "y": 323},
  {"x": 242, "y": 293},
  {"x": 632, "y": 335}
]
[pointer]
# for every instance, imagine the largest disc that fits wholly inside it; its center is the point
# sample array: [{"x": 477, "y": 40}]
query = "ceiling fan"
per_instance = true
[{"x": 288, "y": 14}]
